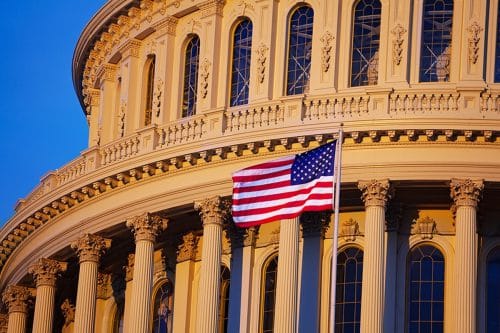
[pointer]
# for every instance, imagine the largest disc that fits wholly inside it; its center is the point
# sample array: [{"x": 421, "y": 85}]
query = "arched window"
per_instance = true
[
  {"x": 365, "y": 43},
  {"x": 497, "y": 49},
  {"x": 191, "y": 64},
  {"x": 242, "y": 51},
  {"x": 268, "y": 300},
  {"x": 299, "y": 50},
  {"x": 162, "y": 309},
  {"x": 150, "y": 77},
  {"x": 425, "y": 290},
  {"x": 435, "y": 47},
  {"x": 224, "y": 299},
  {"x": 493, "y": 292},
  {"x": 348, "y": 293}
]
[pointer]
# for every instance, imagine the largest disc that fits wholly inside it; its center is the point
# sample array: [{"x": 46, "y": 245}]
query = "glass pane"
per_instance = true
[
  {"x": 191, "y": 64},
  {"x": 269, "y": 295},
  {"x": 162, "y": 311},
  {"x": 242, "y": 51},
  {"x": 493, "y": 292}
]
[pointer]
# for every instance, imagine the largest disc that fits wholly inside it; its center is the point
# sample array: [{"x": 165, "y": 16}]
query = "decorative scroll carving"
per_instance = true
[
  {"x": 192, "y": 23},
  {"x": 157, "y": 97},
  {"x": 68, "y": 311},
  {"x": 372, "y": 71},
  {"x": 129, "y": 268},
  {"x": 205, "y": 73},
  {"x": 349, "y": 230},
  {"x": 474, "y": 30},
  {"x": 397, "y": 44},
  {"x": 187, "y": 249},
  {"x": 261, "y": 61},
  {"x": 425, "y": 227},
  {"x": 17, "y": 298},
  {"x": 443, "y": 65},
  {"x": 212, "y": 210},
  {"x": 244, "y": 4},
  {"x": 90, "y": 247},
  {"x": 327, "y": 40},
  {"x": 45, "y": 271},
  {"x": 104, "y": 290},
  {"x": 466, "y": 192},
  {"x": 147, "y": 226},
  {"x": 375, "y": 192}
]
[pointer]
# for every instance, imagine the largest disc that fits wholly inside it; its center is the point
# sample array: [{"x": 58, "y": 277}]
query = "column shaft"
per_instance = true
[
  {"x": 209, "y": 287},
  {"x": 285, "y": 320},
  {"x": 142, "y": 288},
  {"x": 372, "y": 297},
  {"x": 86, "y": 297},
  {"x": 44, "y": 309},
  {"x": 17, "y": 322},
  {"x": 466, "y": 268}
]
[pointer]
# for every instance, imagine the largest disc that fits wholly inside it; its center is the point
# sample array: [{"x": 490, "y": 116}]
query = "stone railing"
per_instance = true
[
  {"x": 334, "y": 107},
  {"x": 120, "y": 150},
  {"x": 181, "y": 131},
  {"x": 251, "y": 117},
  {"x": 425, "y": 103},
  {"x": 70, "y": 171},
  {"x": 490, "y": 102}
]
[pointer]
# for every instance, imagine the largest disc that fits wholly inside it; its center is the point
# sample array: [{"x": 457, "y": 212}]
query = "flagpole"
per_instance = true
[{"x": 336, "y": 189}]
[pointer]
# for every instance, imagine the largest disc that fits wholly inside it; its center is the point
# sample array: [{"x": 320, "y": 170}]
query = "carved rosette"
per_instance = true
[
  {"x": 68, "y": 311},
  {"x": 474, "y": 30},
  {"x": 314, "y": 224},
  {"x": 147, "y": 226},
  {"x": 90, "y": 247},
  {"x": 129, "y": 268},
  {"x": 425, "y": 227},
  {"x": 466, "y": 192},
  {"x": 17, "y": 298},
  {"x": 261, "y": 62},
  {"x": 397, "y": 44},
  {"x": 187, "y": 249},
  {"x": 327, "y": 40},
  {"x": 375, "y": 192},
  {"x": 45, "y": 271},
  {"x": 212, "y": 210}
]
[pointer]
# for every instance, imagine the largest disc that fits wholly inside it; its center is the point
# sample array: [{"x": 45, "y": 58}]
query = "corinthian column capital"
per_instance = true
[
  {"x": 147, "y": 226},
  {"x": 90, "y": 247},
  {"x": 45, "y": 271},
  {"x": 466, "y": 192},
  {"x": 375, "y": 192},
  {"x": 212, "y": 210},
  {"x": 17, "y": 298}
]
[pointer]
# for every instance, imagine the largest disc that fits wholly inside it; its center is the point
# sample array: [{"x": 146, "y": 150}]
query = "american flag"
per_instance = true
[{"x": 285, "y": 187}]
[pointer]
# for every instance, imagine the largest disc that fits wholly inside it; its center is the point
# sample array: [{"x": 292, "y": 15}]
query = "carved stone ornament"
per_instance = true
[
  {"x": 212, "y": 7},
  {"x": 375, "y": 192},
  {"x": 68, "y": 311},
  {"x": 192, "y": 23},
  {"x": 121, "y": 118},
  {"x": 17, "y": 298},
  {"x": 157, "y": 97},
  {"x": 349, "y": 230},
  {"x": 397, "y": 44},
  {"x": 147, "y": 226},
  {"x": 443, "y": 65},
  {"x": 129, "y": 268},
  {"x": 261, "y": 61},
  {"x": 244, "y": 4},
  {"x": 327, "y": 40},
  {"x": 90, "y": 247},
  {"x": 275, "y": 237},
  {"x": 104, "y": 289},
  {"x": 205, "y": 73},
  {"x": 4, "y": 322},
  {"x": 466, "y": 192},
  {"x": 212, "y": 210},
  {"x": 314, "y": 224},
  {"x": 160, "y": 266},
  {"x": 45, "y": 271},
  {"x": 425, "y": 227},
  {"x": 474, "y": 30},
  {"x": 187, "y": 249},
  {"x": 372, "y": 71}
]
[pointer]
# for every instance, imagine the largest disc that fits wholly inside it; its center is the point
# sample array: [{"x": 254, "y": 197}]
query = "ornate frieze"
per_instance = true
[
  {"x": 425, "y": 227},
  {"x": 327, "y": 41},
  {"x": 17, "y": 298},
  {"x": 45, "y": 271},
  {"x": 187, "y": 249},
  {"x": 68, "y": 311},
  {"x": 474, "y": 31},
  {"x": 212, "y": 210},
  {"x": 375, "y": 192},
  {"x": 349, "y": 230},
  {"x": 397, "y": 44},
  {"x": 90, "y": 247},
  {"x": 466, "y": 192},
  {"x": 147, "y": 226}
]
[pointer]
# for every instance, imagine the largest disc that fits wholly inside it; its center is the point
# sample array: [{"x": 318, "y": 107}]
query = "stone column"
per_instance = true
[
  {"x": 212, "y": 213},
  {"x": 45, "y": 272},
  {"x": 146, "y": 228},
  {"x": 89, "y": 248},
  {"x": 313, "y": 233},
  {"x": 376, "y": 193},
  {"x": 466, "y": 194},
  {"x": 17, "y": 299},
  {"x": 285, "y": 318}
]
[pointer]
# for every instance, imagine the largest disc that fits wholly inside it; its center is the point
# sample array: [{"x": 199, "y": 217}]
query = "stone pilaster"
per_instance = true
[
  {"x": 285, "y": 320},
  {"x": 212, "y": 212},
  {"x": 146, "y": 228},
  {"x": 17, "y": 299},
  {"x": 89, "y": 248},
  {"x": 375, "y": 194},
  {"x": 68, "y": 311},
  {"x": 466, "y": 194},
  {"x": 45, "y": 271}
]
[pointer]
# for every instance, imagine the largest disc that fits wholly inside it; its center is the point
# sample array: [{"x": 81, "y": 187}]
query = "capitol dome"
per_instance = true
[{"x": 135, "y": 234}]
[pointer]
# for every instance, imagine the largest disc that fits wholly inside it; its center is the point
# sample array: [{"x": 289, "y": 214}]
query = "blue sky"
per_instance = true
[{"x": 42, "y": 126}]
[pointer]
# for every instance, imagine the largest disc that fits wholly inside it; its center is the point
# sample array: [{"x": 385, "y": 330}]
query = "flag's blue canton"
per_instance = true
[{"x": 313, "y": 164}]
